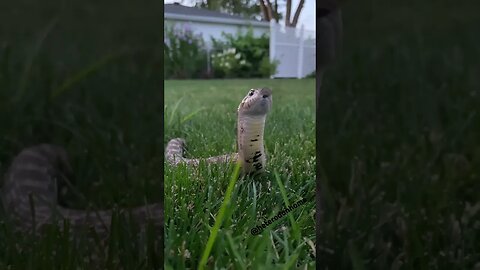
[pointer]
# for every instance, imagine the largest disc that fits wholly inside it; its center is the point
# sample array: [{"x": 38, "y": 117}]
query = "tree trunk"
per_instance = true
[
  {"x": 297, "y": 13},
  {"x": 289, "y": 10},
  {"x": 275, "y": 11},
  {"x": 269, "y": 9},
  {"x": 264, "y": 10}
]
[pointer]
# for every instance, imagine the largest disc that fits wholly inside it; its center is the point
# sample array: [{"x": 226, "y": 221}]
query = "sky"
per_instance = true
[{"x": 307, "y": 17}]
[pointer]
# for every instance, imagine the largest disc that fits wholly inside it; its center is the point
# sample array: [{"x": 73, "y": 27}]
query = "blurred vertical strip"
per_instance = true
[
  {"x": 329, "y": 39},
  {"x": 162, "y": 134},
  {"x": 103, "y": 62}
]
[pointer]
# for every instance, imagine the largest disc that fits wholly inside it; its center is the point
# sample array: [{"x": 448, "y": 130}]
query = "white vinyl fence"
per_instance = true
[{"x": 293, "y": 49}]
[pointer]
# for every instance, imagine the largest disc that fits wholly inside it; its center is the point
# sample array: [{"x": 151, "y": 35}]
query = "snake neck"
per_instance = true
[{"x": 251, "y": 150}]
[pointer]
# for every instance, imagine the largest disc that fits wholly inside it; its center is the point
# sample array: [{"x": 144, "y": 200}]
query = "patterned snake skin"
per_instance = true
[
  {"x": 251, "y": 113},
  {"x": 30, "y": 190}
]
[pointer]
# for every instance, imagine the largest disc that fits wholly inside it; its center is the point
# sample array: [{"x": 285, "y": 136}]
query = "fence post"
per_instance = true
[
  {"x": 300, "y": 53},
  {"x": 209, "y": 59},
  {"x": 272, "y": 43}
]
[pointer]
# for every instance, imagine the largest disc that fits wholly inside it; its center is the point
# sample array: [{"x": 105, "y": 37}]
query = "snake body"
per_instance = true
[
  {"x": 251, "y": 116},
  {"x": 30, "y": 191},
  {"x": 31, "y": 185}
]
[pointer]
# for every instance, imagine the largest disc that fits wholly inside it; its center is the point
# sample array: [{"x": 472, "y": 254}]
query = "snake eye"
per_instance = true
[{"x": 251, "y": 93}]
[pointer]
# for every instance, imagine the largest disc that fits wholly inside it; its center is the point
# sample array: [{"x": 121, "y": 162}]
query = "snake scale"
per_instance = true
[{"x": 251, "y": 116}]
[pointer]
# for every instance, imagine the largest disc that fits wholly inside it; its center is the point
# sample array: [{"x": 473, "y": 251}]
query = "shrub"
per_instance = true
[
  {"x": 243, "y": 56},
  {"x": 228, "y": 62},
  {"x": 267, "y": 68},
  {"x": 312, "y": 74},
  {"x": 184, "y": 54}
]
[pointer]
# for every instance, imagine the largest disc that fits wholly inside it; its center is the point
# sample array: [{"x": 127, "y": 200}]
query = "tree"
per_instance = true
[
  {"x": 246, "y": 8},
  {"x": 264, "y": 9},
  {"x": 270, "y": 12}
]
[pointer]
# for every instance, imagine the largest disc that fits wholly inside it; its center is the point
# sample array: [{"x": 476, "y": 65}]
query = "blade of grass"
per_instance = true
[
  {"x": 5, "y": 58},
  {"x": 235, "y": 251},
  {"x": 295, "y": 229},
  {"x": 186, "y": 118},
  {"x": 220, "y": 217},
  {"x": 254, "y": 203},
  {"x": 355, "y": 256},
  {"x": 28, "y": 65},
  {"x": 175, "y": 107},
  {"x": 84, "y": 73},
  {"x": 273, "y": 235},
  {"x": 291, "y": 262}
]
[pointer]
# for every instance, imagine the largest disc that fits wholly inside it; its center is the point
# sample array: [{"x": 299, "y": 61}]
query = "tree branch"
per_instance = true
[
  {"x": 275, "y": 11},
  {"x": 263, "y": 8},
  {"x": 297, "y": 13},
  {"x": 289, "y": 10},
  {"x": 269, "y": 9}
]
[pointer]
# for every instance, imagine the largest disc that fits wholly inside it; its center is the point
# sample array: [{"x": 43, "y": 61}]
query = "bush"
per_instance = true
[
  {"x": 228, "y": 62},
  {"x": 185, "y": 55},
  {"x": 267, "y": 68},
  {"x": 242, "y": 56},
  {"x": 312, "y": 74}
]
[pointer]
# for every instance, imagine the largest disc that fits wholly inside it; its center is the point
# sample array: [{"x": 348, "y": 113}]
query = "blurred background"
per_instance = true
[
  {"x": 400, "y": 138},
  {"x": 85, "y": 75},
  {"x": 239, "y": 39}
]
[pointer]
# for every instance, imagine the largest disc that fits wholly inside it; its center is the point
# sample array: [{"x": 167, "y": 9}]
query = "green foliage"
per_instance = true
[
  {"x": 228, "y": 62},
  {"x": 312, "y": 74},
  {"x": 400, "y": 139},
  {"x": 184, "y": 53},
  {"x": 242, "y": 56},
  {"x": 267, "y": 68},
  {"x": 244, "y": 8},
  {"x": 105, "y": 144},
  {"x": 194, "y": 198},
  {"x": 104, "y": 110}
]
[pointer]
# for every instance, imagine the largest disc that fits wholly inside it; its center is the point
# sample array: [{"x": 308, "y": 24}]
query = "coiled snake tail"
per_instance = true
[{"x": 30, "y": 195}]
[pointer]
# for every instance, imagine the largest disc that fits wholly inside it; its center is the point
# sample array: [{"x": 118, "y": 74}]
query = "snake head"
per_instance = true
[{"x": 257, "y": 102}]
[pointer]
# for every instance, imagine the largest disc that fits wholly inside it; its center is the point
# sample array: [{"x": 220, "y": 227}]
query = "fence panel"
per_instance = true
[{"x": 293, "y": 49}]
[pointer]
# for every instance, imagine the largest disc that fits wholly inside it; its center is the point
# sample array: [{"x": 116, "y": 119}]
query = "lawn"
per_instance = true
[
  {"x": 95, "y": 91},
  {"x": 204, "y": 113},
  {"x": 400, "y": 138}
]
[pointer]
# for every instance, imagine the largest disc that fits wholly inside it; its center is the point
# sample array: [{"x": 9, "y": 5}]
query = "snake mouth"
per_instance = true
[{"x": 265, "y": 103}]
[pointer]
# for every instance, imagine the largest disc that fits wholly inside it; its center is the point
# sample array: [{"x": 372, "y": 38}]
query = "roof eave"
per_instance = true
[{"x": 181, "y": 17}]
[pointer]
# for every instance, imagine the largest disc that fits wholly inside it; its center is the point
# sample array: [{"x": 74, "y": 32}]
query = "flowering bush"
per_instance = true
[
  {"x": 184, "y": 53},
  {"x": 242, "y": 55},
  {"x": 227, "y": 62}
]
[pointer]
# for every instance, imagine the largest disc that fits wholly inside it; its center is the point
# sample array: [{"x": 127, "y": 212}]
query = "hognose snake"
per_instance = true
[{"x": 30, "y": 189}]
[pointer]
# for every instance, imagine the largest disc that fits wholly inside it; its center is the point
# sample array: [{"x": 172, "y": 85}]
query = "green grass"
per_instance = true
[
  {"x": 193, "y": 198},
  {"x": 400, "y": 139},
  {"x": 79, "y": 76}
]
